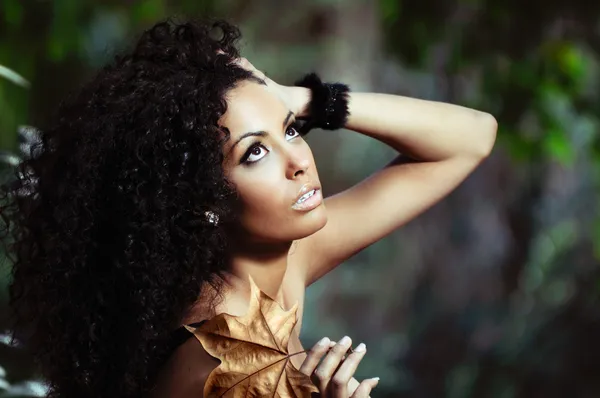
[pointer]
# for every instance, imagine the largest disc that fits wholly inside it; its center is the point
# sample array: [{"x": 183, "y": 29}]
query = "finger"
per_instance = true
[
  {"x": 331, "y": 361},
  {"x": 245, "y": 64},
  {"x": 332, "y": 344},
  {"x": 346, "y": 370},
  {"x": 352, "y": 386},
  {"x": 364, "y": 388},
  {"x": 314, "y": 356}
]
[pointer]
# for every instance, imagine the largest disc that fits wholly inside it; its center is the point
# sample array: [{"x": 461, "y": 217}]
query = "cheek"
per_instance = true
[
  {"x": 307, "y": 154},
  {"x": 265, "y": 194},
  {"x": 261, "y": 193}
]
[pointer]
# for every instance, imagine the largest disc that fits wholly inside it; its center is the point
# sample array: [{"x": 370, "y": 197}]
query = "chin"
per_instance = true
[
  {"x": 287, "y": 229},
  {"x": 312, "y": 222}
]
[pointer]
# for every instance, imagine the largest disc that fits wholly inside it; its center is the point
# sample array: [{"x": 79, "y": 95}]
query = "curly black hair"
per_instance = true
[{"x": 106, "y": 220}]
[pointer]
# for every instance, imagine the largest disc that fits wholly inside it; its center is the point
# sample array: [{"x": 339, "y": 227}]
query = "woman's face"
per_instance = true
[{"x": 271, "y": 166}]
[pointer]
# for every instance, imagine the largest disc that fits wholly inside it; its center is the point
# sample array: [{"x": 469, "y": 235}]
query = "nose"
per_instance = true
[{"x": 298, "y": 164}]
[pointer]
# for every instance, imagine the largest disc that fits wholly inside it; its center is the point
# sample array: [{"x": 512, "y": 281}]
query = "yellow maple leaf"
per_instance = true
[{"x": 253, "y": 350}]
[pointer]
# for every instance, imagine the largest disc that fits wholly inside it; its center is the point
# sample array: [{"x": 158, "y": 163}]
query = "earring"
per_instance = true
[{"x": 211, "y": 217}]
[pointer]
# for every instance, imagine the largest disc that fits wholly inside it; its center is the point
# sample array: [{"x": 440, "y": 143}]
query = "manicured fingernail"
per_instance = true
[
  {"x": 360, "y": 348},
  {"x": 345, "y": 340},
  {"x": 324, "y": 341},
  {"x": 375, "y": 379}
]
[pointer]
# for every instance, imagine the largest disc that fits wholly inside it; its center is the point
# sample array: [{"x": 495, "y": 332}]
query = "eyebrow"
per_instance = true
[
  {"x": 260, "y": 133},
  {"x": 287, "y": 119}
]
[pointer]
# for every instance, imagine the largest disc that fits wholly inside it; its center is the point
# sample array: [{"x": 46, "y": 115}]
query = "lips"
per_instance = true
[
  {"x": 308, "y": 198},
  {"x": 305, "y": 192}
]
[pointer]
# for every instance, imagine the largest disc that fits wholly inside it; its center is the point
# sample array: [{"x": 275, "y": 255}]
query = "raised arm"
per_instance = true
[{"x": 445, "y": 144}]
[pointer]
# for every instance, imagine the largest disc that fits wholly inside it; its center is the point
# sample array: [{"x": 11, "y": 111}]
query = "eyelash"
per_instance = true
[{"x": 257, "y": 144}]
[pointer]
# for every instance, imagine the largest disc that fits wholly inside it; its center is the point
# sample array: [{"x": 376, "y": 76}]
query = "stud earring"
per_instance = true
[{"x": 211, "y": 217}]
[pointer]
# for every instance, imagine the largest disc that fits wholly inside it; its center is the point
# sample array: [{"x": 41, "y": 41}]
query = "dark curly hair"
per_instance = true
[{"x": 106, "y": 220}]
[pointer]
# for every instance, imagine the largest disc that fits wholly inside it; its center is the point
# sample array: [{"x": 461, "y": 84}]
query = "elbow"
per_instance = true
[{"x": 486, "y": 130}]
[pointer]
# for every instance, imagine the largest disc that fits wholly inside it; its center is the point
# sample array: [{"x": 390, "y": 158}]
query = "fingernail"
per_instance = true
[
  {"x": 360, "y": 348},
  {"x": 375, "y": 379},
  {"x": 324, "y": 341},
  {"x": 345, "y": 340}
]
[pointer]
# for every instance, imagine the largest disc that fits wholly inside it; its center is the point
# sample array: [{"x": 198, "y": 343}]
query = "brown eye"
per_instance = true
[
  {"x": 291, "y": 132},
  {"x": 254, "y": 154}
]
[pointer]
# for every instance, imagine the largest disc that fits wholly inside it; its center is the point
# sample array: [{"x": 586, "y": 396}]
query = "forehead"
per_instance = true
[{"x": 252, "y": 107}]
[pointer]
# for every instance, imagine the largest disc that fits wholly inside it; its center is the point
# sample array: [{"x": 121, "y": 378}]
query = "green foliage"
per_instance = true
[
  {"x": 13, "y": 13},
  {"x": 540, "y": 78},
  {"x": 524, "y": 67},
  {"x": 31, "y": 42}
]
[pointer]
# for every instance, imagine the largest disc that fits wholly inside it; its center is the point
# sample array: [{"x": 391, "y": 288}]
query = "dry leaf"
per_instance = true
[{"x": 253, "y": 350}]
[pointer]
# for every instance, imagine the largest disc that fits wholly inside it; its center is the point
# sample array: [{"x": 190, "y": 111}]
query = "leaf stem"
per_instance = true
[{"x": 297, "y": 353}]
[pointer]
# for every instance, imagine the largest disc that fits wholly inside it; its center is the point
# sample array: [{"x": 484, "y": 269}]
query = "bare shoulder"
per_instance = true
[
  {"x": 186, "y": 371},
  {"x": 188, "y": 367}
]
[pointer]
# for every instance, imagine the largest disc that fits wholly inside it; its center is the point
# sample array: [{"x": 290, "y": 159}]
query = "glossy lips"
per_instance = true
[{"x": 308, "y": 198}]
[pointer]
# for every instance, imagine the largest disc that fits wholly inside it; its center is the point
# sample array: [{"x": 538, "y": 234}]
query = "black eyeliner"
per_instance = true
[
  {"x": 247, "y": 153},
  {"x": 297, "y": 125},
  {"x": 294, "y": 124}
]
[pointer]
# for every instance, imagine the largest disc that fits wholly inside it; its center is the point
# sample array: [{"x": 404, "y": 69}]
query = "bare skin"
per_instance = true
[{"x": 285, "y": 249}]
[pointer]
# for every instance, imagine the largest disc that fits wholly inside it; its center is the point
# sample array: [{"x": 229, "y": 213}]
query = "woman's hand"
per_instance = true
[
  {"x": 295, "y": 98},
  {"x": 333, "y": 374}
]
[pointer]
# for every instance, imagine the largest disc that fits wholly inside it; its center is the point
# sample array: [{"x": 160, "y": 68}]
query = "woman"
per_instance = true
[{"x": 179, "y": 172}]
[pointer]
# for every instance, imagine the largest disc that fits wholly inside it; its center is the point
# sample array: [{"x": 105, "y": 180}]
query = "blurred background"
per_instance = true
[{"x": 494, "y": 292}]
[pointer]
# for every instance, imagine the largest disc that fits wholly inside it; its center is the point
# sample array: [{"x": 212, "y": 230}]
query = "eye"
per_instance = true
[
  {"x": 291, "y": 133},
  {"x": 256, "y": 152}
]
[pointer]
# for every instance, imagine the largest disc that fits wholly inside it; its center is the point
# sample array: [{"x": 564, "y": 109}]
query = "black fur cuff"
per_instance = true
[{"x": 328, "y": 107}]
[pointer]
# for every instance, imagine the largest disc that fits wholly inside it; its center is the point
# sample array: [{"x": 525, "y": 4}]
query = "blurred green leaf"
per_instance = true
[
  {"x": 524, "y": 75},
  {"x": 519, "y": 147},
  {"x": 13, "y": 76},
  {"x": 65, "y": 31},
  {"x": 557, "y": 146},
  {"x": 13, "y": 12},
  {"x": 571, "y": 60},
  {"x": 147, "y": 11},
  {"x": 389, "y": 10}
]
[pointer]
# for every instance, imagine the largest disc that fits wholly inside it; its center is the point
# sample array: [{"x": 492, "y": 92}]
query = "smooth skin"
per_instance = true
[
  {"x": 332, "y": 370},
  {"x": 285, "y": 250}
]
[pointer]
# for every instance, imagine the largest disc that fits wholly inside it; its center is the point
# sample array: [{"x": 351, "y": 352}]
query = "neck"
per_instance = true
[{"x": 266, "y": 263}]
